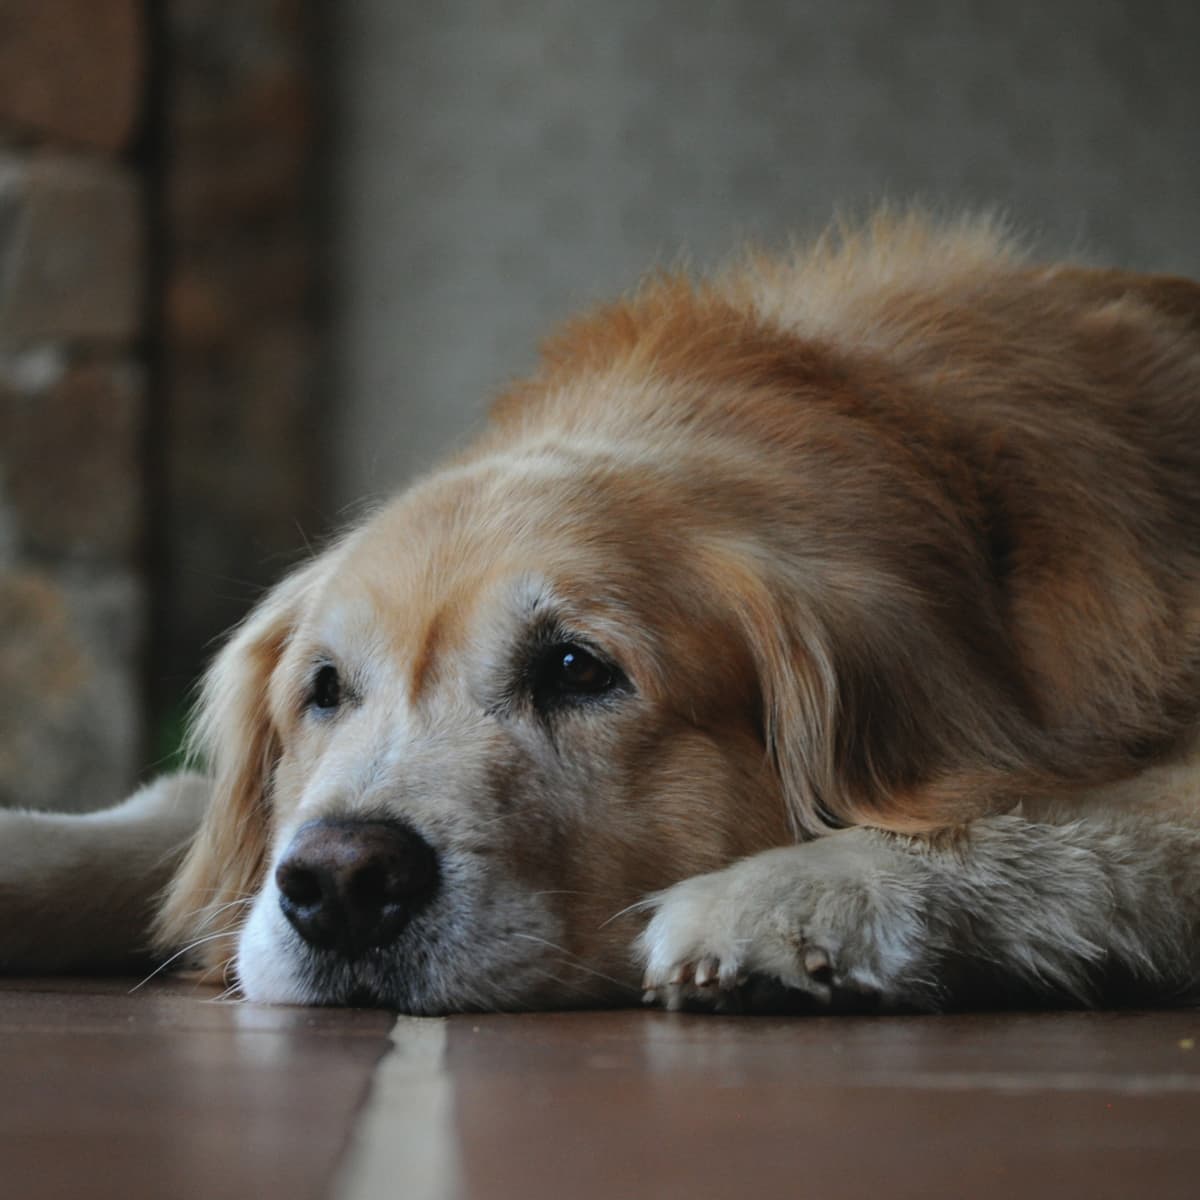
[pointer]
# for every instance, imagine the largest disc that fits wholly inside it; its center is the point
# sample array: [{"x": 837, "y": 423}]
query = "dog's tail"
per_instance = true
[{"x": 78, "y": 891}]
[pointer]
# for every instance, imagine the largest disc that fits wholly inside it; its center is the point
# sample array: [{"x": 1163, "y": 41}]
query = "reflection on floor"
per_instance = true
[{"x": 166, "y": 1092}]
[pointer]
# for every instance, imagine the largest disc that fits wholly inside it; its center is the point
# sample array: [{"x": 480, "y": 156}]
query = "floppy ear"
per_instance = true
[
  {"x": 798, "y": 693},
  {"x": 234, "y": 736},
  {"x": 869, "y": 720}
]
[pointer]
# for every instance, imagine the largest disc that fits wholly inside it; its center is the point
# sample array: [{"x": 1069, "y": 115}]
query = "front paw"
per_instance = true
[{"x": 833, "y": 925}]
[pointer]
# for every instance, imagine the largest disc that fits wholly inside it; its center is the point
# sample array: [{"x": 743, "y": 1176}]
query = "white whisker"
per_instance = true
[
  {"x": 573, "y": 960},
  {"x": 636, "y": 906},
  {"x": 228, "y": 996},
  {"x": 216, "y": 912},
  {"x": 212, "y": 937}
]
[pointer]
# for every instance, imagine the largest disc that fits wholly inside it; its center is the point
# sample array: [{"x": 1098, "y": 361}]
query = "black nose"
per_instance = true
[{"x": 348, "y": 885}]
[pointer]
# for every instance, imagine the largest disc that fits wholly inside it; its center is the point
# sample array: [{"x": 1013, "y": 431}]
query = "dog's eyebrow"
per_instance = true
[
  {"x": 431, "y": 642},
  {"x": 536, "y": 597}
]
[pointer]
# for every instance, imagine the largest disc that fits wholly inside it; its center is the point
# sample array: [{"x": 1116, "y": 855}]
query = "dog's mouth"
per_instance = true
[
  {"x": 446, "y": 963},
  {"x": 365, "y": 997},
  {"x": 407, "y": 974},
  {"x": 449, "y": 958}
]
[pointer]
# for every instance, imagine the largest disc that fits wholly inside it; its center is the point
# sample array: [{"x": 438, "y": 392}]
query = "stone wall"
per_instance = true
[
  {"x": 72, "y": 401},
  {"x": 158, "y": 440}
]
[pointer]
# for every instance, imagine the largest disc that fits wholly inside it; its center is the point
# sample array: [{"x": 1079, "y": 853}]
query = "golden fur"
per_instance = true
[{"x": 900, "y": 532}]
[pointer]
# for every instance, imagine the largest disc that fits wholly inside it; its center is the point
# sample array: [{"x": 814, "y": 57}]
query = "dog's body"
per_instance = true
[{"x": 834, "y": 624}]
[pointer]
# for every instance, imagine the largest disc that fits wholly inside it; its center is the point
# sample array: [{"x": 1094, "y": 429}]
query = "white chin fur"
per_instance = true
[{"x": 263, "y": 970}]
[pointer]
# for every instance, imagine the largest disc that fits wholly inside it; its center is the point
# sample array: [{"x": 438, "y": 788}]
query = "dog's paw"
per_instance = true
[{"x": 833, "y": 925}]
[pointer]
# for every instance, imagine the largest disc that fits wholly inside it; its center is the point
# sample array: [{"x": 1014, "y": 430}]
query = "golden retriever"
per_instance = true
[{"x": 826, "y": 633}]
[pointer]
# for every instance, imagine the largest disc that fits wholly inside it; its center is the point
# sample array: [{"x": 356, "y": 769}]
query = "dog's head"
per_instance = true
[
  {"x": 661, "y": 617},
  {"x": 455, "y": 748}
]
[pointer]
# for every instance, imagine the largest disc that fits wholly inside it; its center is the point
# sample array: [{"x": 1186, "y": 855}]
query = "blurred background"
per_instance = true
[{"x": 261, "y": 260}]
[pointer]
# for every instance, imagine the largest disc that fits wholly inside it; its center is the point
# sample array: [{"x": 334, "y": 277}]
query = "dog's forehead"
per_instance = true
[
  {"x": 469, "y": 557},
  {"x": 446, "y": 540},
  {"x": 540, "y": 512},
  {"x": 450, "y": 582}
]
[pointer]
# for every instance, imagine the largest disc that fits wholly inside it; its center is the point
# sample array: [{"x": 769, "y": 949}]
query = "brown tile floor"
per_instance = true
[{"x": 165, "y": 1093}]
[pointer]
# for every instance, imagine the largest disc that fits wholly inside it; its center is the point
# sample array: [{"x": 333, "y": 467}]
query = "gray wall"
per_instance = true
[{"x": 501, "y": 164}]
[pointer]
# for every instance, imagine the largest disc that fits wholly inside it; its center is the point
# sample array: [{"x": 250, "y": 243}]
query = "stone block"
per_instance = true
[
  {"x": 70, "y": 251},
  {"x": 70, "y": 729},
  {"x": 71, "y": 459},
  {"x": 71, "y": 70}
]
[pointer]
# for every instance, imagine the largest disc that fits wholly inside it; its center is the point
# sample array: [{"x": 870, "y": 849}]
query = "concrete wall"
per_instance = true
[{"x": 502, "y": 163}]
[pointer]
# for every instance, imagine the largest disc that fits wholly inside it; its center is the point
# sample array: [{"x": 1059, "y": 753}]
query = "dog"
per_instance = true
[{"x": 825, "y": 634}]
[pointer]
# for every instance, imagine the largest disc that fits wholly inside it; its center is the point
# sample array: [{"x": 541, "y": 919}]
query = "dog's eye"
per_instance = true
[
  {"x": 326, "y": 691},
  {"x": 565, "y": 672},
  {"x": 579, "y": 671}
]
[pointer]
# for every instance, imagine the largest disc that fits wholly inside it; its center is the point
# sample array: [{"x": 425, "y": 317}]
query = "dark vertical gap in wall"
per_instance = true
[
  {"x": 153, "y": 151},
  {"x": 323, "y": 51}
]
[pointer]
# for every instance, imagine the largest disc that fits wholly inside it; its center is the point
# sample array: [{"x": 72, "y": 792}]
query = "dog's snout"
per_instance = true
[{"x": 348, "y": 885}]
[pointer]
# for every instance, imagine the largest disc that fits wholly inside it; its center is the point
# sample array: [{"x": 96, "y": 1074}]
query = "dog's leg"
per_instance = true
[
  {"x": 1010, "y": 911},
  {"x": 77, "y": 891}
]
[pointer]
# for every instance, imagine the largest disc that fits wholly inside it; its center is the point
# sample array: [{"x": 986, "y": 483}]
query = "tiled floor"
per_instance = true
[{"x": 166, "y": 1093}]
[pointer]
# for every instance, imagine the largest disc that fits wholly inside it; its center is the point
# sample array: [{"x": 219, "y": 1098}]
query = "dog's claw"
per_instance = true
[
  {"x": 706, "y": 972},
  {"x": 818, "y": 965}
]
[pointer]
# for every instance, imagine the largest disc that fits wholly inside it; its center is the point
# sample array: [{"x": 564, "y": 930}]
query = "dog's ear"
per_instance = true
[
  {"x": 235, "y": 739},
  {"x": 867, "y": 717},
  {"x": 799, "y": 699}
]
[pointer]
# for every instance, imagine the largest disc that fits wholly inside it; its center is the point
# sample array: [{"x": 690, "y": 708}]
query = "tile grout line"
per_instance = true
[{"x": 403, "y": 1139}]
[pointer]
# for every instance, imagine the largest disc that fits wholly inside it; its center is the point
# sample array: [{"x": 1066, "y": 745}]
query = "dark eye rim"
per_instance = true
[
  {"x": 554, "y": 685},
  {"x": 326, "y": 690}
]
